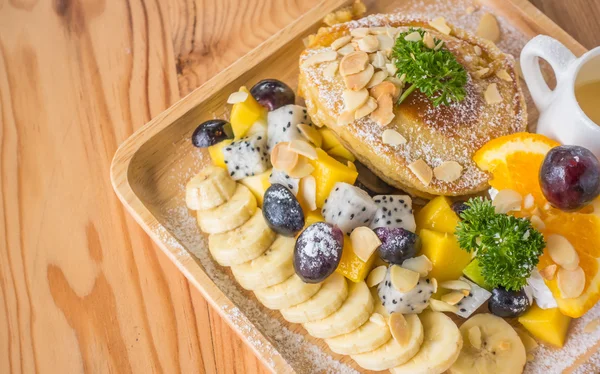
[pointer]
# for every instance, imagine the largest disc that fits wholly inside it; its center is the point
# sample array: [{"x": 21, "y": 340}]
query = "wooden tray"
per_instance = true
[{"x": 150, "y": 169}]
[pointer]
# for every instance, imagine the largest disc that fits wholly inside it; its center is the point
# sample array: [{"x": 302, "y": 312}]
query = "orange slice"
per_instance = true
[{"x": 514, "y": 162}]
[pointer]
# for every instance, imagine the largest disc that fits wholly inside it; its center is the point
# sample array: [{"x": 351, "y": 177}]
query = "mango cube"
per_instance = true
[
  {"x": 327, "y": 173},
  {"x": 216, "y": 153},
  {"x": 351, "y": 266},
  {"x": 443, "y": 251},
  {"x": 258, "y": 184},
  {"x": 313, "y": 217},
  {"x": 437, "y": 215},
  {"x": 342, "y": 152},
  {"x": 330, "y": 140},
  {"x": 548, "y": 325},
  {"x": 244, "y": 114},
  {"x": 473, "y": 272}
]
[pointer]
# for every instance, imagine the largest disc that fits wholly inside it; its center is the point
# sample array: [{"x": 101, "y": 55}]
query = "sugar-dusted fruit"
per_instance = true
[
  {"x": 548, "y": 325},
  {"x": 351, "y": 266},
  {"x": 244, "y": 114},
  {"x": 508, "y": 304},
  {"x": 282, "y": 211},
  {"x": 211, "y": 132},
  {"x": 438, "y": 215},
  {"x": 443, "y": 251},
  {"x": 272, "y": 94},
  {"x": 318, "y": 252},
  {"x": 397, "y": 244},
  {"x": 328, "y": 171}
]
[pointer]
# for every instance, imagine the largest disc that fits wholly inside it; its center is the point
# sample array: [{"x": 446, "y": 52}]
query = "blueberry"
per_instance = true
[
  {"x": 211, "y": 132},
  {"x": 273, "y": 94},
  {"x": 504, "y": 303},
  {"x": 459, "y": 206},
  {"x": 282, "y": 211},
  {"x": 318, "y": 252},
  {"x": 397, "y": 244}
]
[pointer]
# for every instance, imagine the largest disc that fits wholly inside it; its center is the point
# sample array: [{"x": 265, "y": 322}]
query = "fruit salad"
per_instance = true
[{"x": 409, "y": 288}]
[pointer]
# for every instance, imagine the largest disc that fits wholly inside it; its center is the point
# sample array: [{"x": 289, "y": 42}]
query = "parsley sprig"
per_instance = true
[
  {"x": 507, "y": 248},
  {"x": 436, "y": 73}
]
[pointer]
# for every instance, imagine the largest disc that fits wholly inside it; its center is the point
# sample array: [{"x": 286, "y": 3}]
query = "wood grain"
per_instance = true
[{"x": 83, "y": 289}]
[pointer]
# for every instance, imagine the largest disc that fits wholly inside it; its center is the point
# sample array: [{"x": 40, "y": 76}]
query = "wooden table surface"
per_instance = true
[{"x": 82, "y": 287}]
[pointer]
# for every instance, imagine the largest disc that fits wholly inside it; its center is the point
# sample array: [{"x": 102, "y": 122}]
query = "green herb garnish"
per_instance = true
[
  {"x": 507, "y": 248},
  {"x": 436, "y": 73}
]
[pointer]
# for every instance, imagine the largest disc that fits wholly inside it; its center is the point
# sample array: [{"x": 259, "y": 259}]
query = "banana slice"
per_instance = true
[
  {"x": 491, "y": 346},
  {"x": 290, "y": 292},
  {"x": 273, "y": 267},
  {"x": 392, "y": 353},
  {"x": 243, "y": 244},
  {"x": 329, "y": 299},
  {"x": 366, "y": 338},
  {"x": 209, "y": 189},
  {"x": 234, "y": 213},
  {"x": 440, "y": 348},
  {"x": 352, "y": 314}
]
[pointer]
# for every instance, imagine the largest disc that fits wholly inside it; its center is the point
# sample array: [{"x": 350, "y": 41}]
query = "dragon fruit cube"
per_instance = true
[
  {"x": 394, "y": 211},
  {"x": 470, "y": 303},
  {"x": 411, "y": 302},
  {"x": 283, "y": 122},
  {"x": 247, "y": 156},
  {"x": 348, "y": 207},
  {"x": 281, "y": 177}
]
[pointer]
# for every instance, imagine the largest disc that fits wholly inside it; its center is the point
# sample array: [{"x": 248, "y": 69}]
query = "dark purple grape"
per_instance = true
[
  {"x": 318, "y": 252},
  {"x": 273, "y": 94},
  {"x": 211, "y": 132},
  {"x": 459, "y": 206},
  {"x": 507, "y": 304},
  {"x": 570, "y": 177},
  {"x": 282, "y": 211},
  {"x": 397, "y": 244}
]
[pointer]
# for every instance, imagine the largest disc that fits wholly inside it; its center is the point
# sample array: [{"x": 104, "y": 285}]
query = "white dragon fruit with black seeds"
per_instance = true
[
  {"x": 470, "y": 303},
  {"x": 348, "y": 207},
  {"x": 283, "y": 124},
  {"x": 281, "y": 177},
  {"x": 394, "y": 211},
  {"x": 411, "y": 302},
  {"x": 247, "y": 157}
]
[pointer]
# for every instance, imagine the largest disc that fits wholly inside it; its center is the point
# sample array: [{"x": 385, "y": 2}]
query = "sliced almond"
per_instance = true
[
  {"x": 592, "y": 325},
  {"x": 439, "y": 45},
  {"x": 359, "y": 81},
  {"x": 376, "y": 276},
  {"x": 414, "y": 36},
  {"x": 440, "y": 306},
  {"x": 379, "y": 60},
  {"x": 384, "y": 114},
  {"x": 528, "y": 202},
  {"x": 403, "y": 279},
  {"x": 391, "y": 69},
  {"x": 570, "y": 282},
  {"x": 422, "y": 171},
  {"x": 399, "y": 328},
  {"x": 561, "y": 251},
  {"x": 507, "y": 201},
  {"x": 378, "y": 319},
  {"x": 307, "y": 194},
  {"x": 480, "y": 73},
  {"x": 364, "y": 242},
  {"x": 456, "y": 285},
  {"x": 393, "y": 138},
  {"x": 428, "y": 41},
  {"x": 311, "y": 134},
  {"x": 303, "y": 148},
  {"x": 360, "y": 32},
  {"x": 282, "y": 158},
  {"x": 453, "y": 297},
  {"x": 351, "y": 165},
  {"x": 237, "y": 97},
  {"x": 440, "y": 25},
  {"x": 434, "y": 283},
  {"x": 353, "y": 63},
  {"x": 385, "y": 42},
  {"x": 475, "y": 337},
  {"x": 377, "y": 78},
  {"x": 470, "y": 10},
  {"x": 346, "y": 50},
  {"x": 488, "y": 28},
  {"x": 420, "y": 264},
  {"x": 345, "y": 118},
  {"x": 331, "y": 69},
  {"x": 368, "y": 44},
  {"x": 549, "y": 272},
  {"x": 503, "y": 74},
  {"x": 537, "y": 222},
  {"x": 354, "y": 99},
  {"x": 302, "y": 169},
  {"x": 448, "y": 171},
  {"x": 478, "y": 50},
  {"x": 384, "y": 88},
  {"x": 366, "y": 109},
  {"x": 340, "y": 42},
  {"x": 320, "y": 57},
  {"x": 465, "y": 292}
]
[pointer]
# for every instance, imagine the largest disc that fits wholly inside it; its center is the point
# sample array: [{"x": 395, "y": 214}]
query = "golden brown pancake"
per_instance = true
[{"x": 434, "y": 134}]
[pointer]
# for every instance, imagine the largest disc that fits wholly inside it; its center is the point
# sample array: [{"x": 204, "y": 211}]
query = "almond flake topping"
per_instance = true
[
  {"x": 345, "y": 50},
  {"x": 428, "y": 41},
  {"x": 478, "y": 50},
  {"x": 366, "y": 109},
  {"x": 492, "y": 95},
  {"x": 549, "y": 272},
  {"x": 440, "y": 306},
  {"x": 282, "y": 158},
  {"x": 399, "y": 328},
  {"x": 440, "y": 25},
  {"x": 385, "y": 42},
  {"x": 376, "y": 276},
  {"x": 302, "y": 169},
  {"x": 340, "y": 42},
  {"x": 403, "y": 279},
  {"x": 311, "y": 134},
  {"x": 377, "y": 78},
  {"x": 359, "y": 81},
  {"x": 570, "y": 283},
  {"x": 453, "y": 297},
  {"x": 507, "y": 201},
  {"x": 369, "y": 44},
  {"x": 384, "y": 113},
  {"x": 364, "y": 242},
  {"x": 392, "y": 137},
  {"x": 331, "y": 69},
  {"x": 360, "y": 32},
  {"x": 303, "y": 148},
  {"x": 422, "y": 171},
  {"x": 488, "y": 28},
  {"x": 391, "y": 69},
  {"x": 345, "y": 118},
  {"x": 503, "y": 74},
  {"x": 457, "y": 285},
  {"x": 561, "y": 251},
  {"x": 320, "y": 57},
  {"x": 414, "y": 36},
  {"x": 448, "y": 171},
  {"x": 378, "y": 319},
  {"x": 353, "y": 63},
  {"x": 420, "y": 264},
  {"x": 385, "y": 88},
  {"x": 237, "y": 97},
  {"x": 537, "y": 222},
  {"x": 354, "y": 99}
]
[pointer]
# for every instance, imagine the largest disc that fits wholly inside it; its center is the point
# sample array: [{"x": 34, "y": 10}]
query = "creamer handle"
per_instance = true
[{"x": 557, "y": 55}]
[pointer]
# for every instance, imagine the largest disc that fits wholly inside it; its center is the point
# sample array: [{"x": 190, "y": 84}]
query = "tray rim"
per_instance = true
[{"x": 265, "y": 351}]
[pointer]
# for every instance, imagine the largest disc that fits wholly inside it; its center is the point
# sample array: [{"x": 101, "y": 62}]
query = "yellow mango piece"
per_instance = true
[
  {"x": 548, "y": 325},
  {"x": 330, "y": 140},
  {"x": 443, "y": 251},
  {"x": 437, "y": 215},
  {"x": 216, "y": 153},
  {"x": 245, "y": 114},
  {"x": 258, "y": 184},
  {"x": 341, "y": 151},
  {"x": 313, "y": 217},
  {"x": 328, "y": 171},
  {"x": 351, "y": 266}
]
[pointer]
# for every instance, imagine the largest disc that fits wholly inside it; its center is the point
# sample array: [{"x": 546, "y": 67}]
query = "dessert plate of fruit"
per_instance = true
[{"x": 396, "y": 209}]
